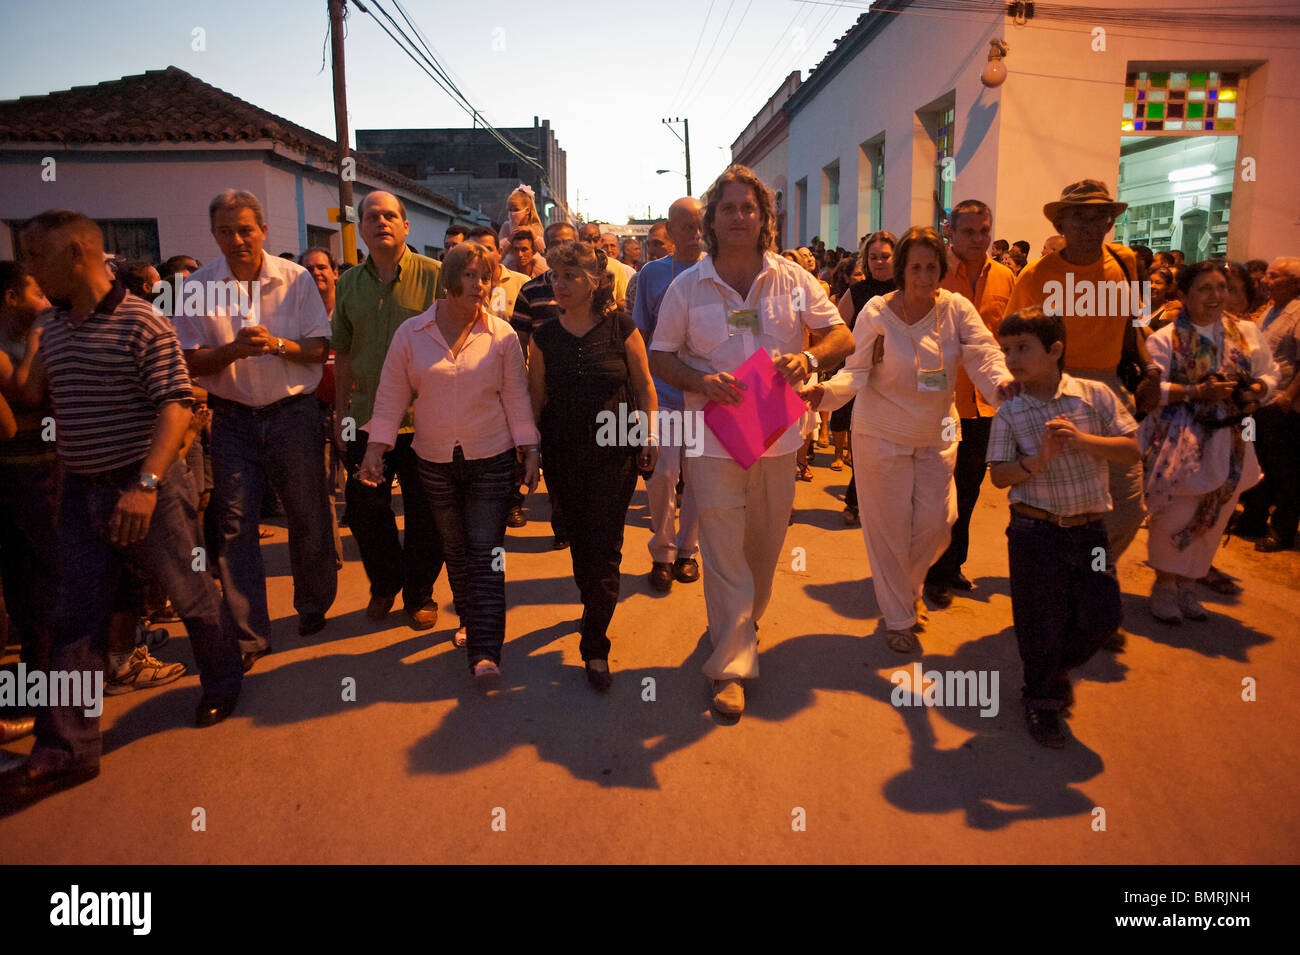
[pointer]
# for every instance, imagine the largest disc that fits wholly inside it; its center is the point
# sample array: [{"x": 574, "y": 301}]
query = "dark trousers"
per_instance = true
[
  {"x": 469, "y": 501},
  {"x": 280, "y": 449},
  {"x": 29, "y": 497},
  {"x": 89, "y": 571},
  {"x": 969, "y": 476},
  {"x": 393, "y": 567},
  {"x": 1062, "y": 608},
  {"x": 1277, "y": 442},
  {"x": 558, "y": 526},
  {"x": 594, "y": 492}
]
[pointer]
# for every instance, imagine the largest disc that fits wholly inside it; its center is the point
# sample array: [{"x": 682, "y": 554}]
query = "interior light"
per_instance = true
[{"x": 1192, "y": 172}]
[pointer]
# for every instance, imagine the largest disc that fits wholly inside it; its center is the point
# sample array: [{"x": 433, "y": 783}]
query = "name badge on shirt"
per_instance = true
[
  {"x": 744, "y": 318},
  {"x": 931, "y": 380}
]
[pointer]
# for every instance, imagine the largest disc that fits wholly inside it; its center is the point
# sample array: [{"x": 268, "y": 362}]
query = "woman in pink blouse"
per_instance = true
[{"x": 473, "y": 426}]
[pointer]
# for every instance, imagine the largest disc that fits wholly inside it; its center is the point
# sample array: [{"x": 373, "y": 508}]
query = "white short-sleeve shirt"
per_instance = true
[
  {"x": 289, "y": 306},
  {"x": 694, "y": 325}
]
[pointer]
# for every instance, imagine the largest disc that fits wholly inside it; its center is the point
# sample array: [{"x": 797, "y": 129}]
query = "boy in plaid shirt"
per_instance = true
[{"x": 1051, "y": 444}]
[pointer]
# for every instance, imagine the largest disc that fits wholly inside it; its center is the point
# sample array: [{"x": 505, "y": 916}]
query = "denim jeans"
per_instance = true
[
  {"x": 29, "y": 496},
  {"x": 89, "y": 571},
  {"x": 470, "y": 500},
  {"x": 393, "y": 566},
  {"x": 1062, "y": 608},
  {"x": 281, "y": 448}
]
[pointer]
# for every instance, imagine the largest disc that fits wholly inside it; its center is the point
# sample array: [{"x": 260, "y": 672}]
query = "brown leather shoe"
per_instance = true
[
  {"x": 425, "y": 617},
  {"x": 379, "y": 606}
]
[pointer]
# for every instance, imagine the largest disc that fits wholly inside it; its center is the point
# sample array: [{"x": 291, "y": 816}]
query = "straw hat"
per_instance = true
[{"x": 1089, "y": 192}]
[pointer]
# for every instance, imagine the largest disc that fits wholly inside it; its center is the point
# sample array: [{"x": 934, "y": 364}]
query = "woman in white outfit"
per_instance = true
[
  {"x": 903, "y": 371},
  {"x": 1196, "y": 456}
]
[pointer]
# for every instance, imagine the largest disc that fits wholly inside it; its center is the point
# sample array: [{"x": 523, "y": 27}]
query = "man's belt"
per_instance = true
[
  {"x": 1038, "y": 514},
  {"x": 257, "y": 412}
]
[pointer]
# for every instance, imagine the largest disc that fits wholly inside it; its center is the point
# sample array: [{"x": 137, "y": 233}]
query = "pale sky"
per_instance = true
[{"x": 603, "y": 75}]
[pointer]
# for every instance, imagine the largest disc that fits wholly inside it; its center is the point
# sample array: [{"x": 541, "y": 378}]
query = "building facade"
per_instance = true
[
  {"x": 1194, "y": 124},
  {"x": 474, "y": 167},
  {"x": 144, "y": 155}
]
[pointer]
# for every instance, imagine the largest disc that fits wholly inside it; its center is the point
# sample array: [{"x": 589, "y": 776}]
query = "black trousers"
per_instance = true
[
  {"x": 393, "y": 566},
  {"x": 969, "y": 476},
  {"x": 1277, "y": 442},
  {"x": 593, "y": 491},
  {"x": 1061, "y": 606}
]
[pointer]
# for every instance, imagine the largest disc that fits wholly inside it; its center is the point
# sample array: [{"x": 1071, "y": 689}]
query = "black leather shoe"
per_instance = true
[
  {"x": 1271, "y": 544},
  {"x": 16, "y": 723},
  {"x": 213, "y": 709},
  {"x": 559, "y": 543},
  {"x": 598, "y": 674},
  {"x": 309, "y": 623},
  {"x": 958, "y": 581},
  {"x": 1047, "y": 727},
  {"x": 686, "y": 570},
  {"x": 516, "y": 517},
  {"x": 26, "y": 784},
  {"x": 251, "y": 658},
  {"x": 661, "y": 576},
  {"x": 938, "y": 595}
]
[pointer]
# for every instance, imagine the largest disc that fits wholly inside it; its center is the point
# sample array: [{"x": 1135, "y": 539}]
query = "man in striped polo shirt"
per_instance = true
[{"x": 121, "y": 396}]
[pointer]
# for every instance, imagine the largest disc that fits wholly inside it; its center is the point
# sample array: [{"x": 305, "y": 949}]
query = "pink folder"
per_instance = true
[{"x": 770, "y": 406}]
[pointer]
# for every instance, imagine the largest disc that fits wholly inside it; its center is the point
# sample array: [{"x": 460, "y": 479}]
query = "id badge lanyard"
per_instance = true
[{"x": 930, "y": 379}]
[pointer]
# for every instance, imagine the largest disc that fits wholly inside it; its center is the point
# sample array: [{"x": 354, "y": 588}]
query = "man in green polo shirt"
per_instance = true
[{"x": 371, "y": 301}]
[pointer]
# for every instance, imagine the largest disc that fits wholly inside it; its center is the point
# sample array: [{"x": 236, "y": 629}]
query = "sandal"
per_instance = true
[
  {"x": 837, "y": 465},
  {"x": 903, "y": 641},
  {"x": 1220, "y": 582},
  {"x": 805, "y": 473}
]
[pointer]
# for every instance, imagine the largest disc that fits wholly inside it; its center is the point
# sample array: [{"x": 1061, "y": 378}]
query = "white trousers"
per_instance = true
[
  {"x": 672, "y": 538},
  {"x": 907, "y": 500},
  {"x": 743, "y": 519}
]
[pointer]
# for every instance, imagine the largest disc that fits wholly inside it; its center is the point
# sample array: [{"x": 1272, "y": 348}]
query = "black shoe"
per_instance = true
[
  {"x": 253, "y": 656},
  {"x": 1115, "y": 642},
  {"x": 958, "y": 581},
  {"x": 309, "y": 623},
  {"x": 1046, "y": 727},
  {"x": 661, "y": 576},
  {"x": 516, "y": 517},
  {"x": 1271, "y": 544},
  {"x": 27, "y": 784},
  {"x": 686, "y": 570},
  {"x": 598, "y": 674},
  {"x": 213, "y": 709},
  {"x": 559, "y": 543},
  {"x": 938, "y": 595},
  {"x": 15, "y": 724}
]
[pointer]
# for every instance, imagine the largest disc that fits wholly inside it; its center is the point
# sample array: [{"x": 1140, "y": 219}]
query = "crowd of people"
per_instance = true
[{"x": 924, "y": 360}]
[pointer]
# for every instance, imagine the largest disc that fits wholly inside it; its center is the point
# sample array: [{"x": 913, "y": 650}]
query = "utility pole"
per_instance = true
[
  {"x": 686, "y": 142},
  {"x": 347, "y": 216}
]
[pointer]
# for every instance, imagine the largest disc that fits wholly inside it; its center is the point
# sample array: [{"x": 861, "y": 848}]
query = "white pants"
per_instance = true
[
  {"x": 743, "y": 519},
  {"x": 907, "y": 500},
  {"x": 671, "y": 540}
]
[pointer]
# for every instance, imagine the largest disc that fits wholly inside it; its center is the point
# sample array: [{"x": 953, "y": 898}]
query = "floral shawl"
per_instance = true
[{"x": 1175, "y": 444}]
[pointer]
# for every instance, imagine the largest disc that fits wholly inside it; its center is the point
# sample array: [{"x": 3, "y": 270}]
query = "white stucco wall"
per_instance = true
[
  {"x": 1056, "y": 120},
  {"x": 175, "y": 188}
]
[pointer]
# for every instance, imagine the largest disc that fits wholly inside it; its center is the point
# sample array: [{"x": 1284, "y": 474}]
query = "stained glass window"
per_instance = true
[{"x": 1180, "y": 101}]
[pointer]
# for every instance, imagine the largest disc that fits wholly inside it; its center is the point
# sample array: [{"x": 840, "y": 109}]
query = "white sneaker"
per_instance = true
[
  {"x": 1189, "y": 601},
  {"x": 142, "y": 672},
  {"x": 729, "y": 697},
  {"x": 1164, "y": 603}
]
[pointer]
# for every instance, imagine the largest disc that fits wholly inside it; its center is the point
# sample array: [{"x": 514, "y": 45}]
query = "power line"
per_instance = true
[
  {"x": 698, "y": 40},
  {"x": 714, "y": 45},
  {"x": 701, "y": 87}
]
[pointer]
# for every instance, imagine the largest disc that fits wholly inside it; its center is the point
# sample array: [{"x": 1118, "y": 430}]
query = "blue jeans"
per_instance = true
[
  {"x": 282, "y": 448},
  {"x": 1061, "y": 607},
  {"x": 29, "y": 496},
  {"x": 89, "y": 570},
  {"x": 470, "y": 500}
]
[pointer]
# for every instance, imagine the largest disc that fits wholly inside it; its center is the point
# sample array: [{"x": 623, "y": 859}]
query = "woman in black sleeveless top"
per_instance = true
[{"x": 588, "y": 376}]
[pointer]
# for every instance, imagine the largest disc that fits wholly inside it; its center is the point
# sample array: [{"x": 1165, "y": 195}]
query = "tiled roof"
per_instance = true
[{"x": 169, "y": 106}]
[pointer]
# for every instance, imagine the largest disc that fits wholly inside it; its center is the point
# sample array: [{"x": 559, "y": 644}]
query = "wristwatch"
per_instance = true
[
  {"x": 279, "y": 347},
  {"x": 148, "y": 482},
  {"x": 813, "y": 363}
]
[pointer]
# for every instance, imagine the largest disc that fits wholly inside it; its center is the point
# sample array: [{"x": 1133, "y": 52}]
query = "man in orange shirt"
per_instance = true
[
  {"x": 1077, "y": 282},
  {"x": 988, "y": 285}
]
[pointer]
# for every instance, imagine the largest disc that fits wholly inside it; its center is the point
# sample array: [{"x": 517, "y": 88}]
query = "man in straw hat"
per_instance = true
[{"x": 1073, "y": 281}]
